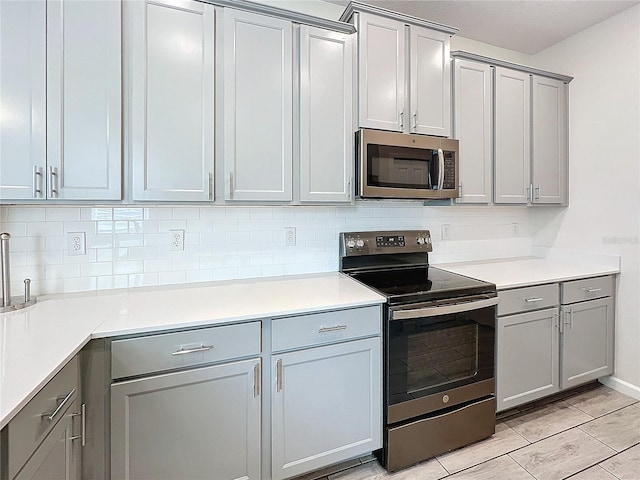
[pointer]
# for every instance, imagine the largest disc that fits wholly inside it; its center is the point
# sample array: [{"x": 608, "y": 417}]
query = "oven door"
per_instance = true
[{"x": 431, "y": 349}]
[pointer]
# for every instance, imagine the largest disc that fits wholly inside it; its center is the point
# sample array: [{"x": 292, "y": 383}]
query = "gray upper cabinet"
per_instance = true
[
  {"x": 62, "y": 140},
  {"x": 512, "y": 136},
  {"x": 326, "y": 138},
  {"x": 549, "y": 143},
  {"x": 473, "y": 127},
  {"x": 171, "y": 120},
  {"x": 258, "y": 99},
  {"x": 404, "y": 73}
]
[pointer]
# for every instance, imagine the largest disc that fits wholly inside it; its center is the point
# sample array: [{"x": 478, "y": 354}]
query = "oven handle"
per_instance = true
[{"x": 442, "y": 310}]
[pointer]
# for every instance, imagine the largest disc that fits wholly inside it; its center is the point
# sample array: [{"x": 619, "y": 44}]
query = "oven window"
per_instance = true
[
  {"x": 401, "y": 167},
  {"x": 432, "y": 354}
]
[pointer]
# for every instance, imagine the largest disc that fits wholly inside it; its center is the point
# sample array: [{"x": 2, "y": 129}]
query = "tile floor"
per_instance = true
[{"x": 591, "y": 434}]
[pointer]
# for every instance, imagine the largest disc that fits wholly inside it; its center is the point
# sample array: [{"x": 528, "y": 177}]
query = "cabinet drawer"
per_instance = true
[
  {"x": 321, "y": 328},
  {"x": 528, "y": 298},
  {"x": 156, "y": 353},
  {"x": 587, "y": 289},
  {"x": 32, "y": 424}
]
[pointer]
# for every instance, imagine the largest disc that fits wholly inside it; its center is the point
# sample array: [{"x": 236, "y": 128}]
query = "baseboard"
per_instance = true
[{"x": 621, "y": 386}]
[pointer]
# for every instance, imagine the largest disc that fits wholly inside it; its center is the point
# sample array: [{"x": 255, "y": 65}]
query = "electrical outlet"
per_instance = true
[
  {"x": 289, "y": 236},
  {"x": 177, "y": 240},
  {"x": 446, "y": 231},
  {"x": 76, "y": 243}
]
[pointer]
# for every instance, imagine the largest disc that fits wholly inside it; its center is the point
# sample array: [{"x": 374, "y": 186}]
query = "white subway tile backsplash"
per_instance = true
[{"x": 128, "y": 246}]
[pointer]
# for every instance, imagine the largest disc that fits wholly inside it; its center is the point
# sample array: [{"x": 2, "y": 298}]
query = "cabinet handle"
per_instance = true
[
  {"x": 530, "y": 193},
  {"x": 83, "y": 425},
  {"x": 415, "y": 121},
  {"x": 556, "y": 323},
  {"x": 402, "y": 120},
  {"x": 460, "y": 190},
  {"x": 256, "y": 380},
  {"x": 570, "y": 318},
  {"x": 533, "y": 299},
  {"x": 37, "y": 182},
  {"x": 210, "y": 185},
  {"x": 185, "y": 351},
  {"x": 349, "y": 188},
  {"x": 53, "y": 181},
  {"x": 591, "y": 289},
  {"x": 332, "y": 329},
  {"x": 279, "y": 375},
  {"x": 230, "y": 186},
  {"x": 49, "y": 416},
  {"x": 537, "y": 197}
]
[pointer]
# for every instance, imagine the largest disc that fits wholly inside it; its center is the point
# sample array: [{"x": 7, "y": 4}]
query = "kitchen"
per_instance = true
[{"x": 127, "y": 243}]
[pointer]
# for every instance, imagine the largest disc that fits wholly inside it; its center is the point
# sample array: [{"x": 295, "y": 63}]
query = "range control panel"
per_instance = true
[{"x": 374, "y": 243}]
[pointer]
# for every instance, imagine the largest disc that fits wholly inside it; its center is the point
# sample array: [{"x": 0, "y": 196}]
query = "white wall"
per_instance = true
[{"x": 604, "y": 164}]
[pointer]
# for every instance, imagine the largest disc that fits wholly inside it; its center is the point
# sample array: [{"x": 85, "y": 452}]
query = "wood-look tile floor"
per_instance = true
[{"x": 589, "y": 434}]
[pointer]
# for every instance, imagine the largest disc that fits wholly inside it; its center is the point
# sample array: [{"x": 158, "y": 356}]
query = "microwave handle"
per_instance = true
[{"x": 440, "y": 169}]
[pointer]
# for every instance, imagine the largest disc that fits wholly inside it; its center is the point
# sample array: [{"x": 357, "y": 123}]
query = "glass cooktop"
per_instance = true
[{"x": 422, "y": 284}]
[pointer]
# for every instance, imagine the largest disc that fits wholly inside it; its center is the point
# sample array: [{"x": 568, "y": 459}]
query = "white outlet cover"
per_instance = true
[
  {"x": 176, "y": 240},
  {"x": 76, "y": 243},
  {"x": 290, "y": 236}
]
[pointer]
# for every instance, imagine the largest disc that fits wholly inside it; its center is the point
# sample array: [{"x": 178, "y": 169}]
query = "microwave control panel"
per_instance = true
[{"x": 449, "y": 182}]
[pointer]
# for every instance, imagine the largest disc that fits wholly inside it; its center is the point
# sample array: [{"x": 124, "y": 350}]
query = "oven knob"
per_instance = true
[
  {"x": 445, "y": 399},
  {"x": 421, "y": 241},
  {"x": 359, "y": 243},
  {"x": 351, "y": 243}
]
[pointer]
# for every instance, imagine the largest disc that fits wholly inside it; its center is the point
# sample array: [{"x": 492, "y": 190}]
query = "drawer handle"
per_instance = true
[
  {"x": 83, "y": 425},
  {"x": 332, "y": 329},
  {"x": 49, "y": 416},
  {"x": 533, "y": 299},
  {"x": 201, "y": 348},
  {"x": 592, "y": 289},
  {"x": 279, "y": 375}
]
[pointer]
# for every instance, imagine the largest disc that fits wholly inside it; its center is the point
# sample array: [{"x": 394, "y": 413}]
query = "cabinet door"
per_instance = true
[
  {"x": 472, "y": 102},
  {"x": 172, "y": 99},
  {"x": 527, "y": 365},
  {"x": 202, "y": 423},
  {"x": 430, "y": 86},
  {"x": 326, "y": 137},
  {"x": 512, "y": 136},
  {"x": 257, "y": 107},
  {"x": 23, "y": 99},
  {"x": 381, "y": 73},
  {"x": 326, "y": 405},
  {"x": 83, "y": 100},
  {"x": 58, "y": 457},
  {"x": 587, "y": 341},
  {"x": 549, "y": 149}
]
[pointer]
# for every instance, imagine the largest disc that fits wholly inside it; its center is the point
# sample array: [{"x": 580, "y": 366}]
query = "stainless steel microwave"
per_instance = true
[{"x": 405, "y": 166}]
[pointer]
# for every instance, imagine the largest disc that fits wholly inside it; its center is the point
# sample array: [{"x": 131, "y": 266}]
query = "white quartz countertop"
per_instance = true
[
  {"x": 520, "y": 272},
  {"x": 35, "y": 343}
]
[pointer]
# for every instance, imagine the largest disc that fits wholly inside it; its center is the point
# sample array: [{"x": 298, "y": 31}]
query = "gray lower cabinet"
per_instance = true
[
  {"x": 59, "y": 455},
  {"x": 325, "y": 406},
  {"x": 553, "y": 337},
  {"x": 195, "y": 424},
  {"x": 528, "y": 357}
]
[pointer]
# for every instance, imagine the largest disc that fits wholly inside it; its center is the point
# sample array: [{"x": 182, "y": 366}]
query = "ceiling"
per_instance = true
[{"x": 527, "y": 26}]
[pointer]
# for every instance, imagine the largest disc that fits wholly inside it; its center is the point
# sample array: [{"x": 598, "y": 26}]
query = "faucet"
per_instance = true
[{"x": 8, "y": 302}]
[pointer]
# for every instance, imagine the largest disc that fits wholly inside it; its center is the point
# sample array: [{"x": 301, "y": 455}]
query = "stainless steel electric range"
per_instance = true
[{"x": 439, "y": 338}]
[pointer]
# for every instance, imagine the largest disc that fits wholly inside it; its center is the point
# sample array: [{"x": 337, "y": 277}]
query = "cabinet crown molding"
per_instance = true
[
  {"x": 355, "y": 7},
  {"x": 514, "y": 66},
  {"x": 296, "y": 17}
]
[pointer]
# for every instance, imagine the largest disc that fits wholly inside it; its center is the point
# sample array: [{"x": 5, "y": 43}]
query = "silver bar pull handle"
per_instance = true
[
  {"x": 592, "y": 289},
  {"x": 210, "y": 185},
  {"x": 83, "y": 425},
  {"x": 349, "y": 183},
  {"x": 37, "y": 182},
  {"x": 49, "y": 416},
  {"x": 538, "y": 192},
  {"x": 279, "y": 375},
  {"x": 440, "y": 169},
  {"x": 415, "y": 121},
  {"x": 569, "y": 319},
  {"x": 256, "y": 380},
  {"x": 53, "y": 181},
  {"x": 556, "y": 321},
  {"x": 332, "y": 329},
  {"x": 401, "y": 115},
  {"x": 533, "y": 299},
  {"x": 186, "y": 351},
  {"x": 230, "y": 184},
  {"x": 460, "y": 190}
]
